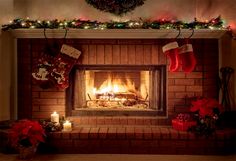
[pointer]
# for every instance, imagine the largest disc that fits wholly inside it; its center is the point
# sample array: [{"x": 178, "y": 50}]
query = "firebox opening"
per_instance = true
[
  {"x": 117, "y": 89},
  {"x": 113, "y": 89}
]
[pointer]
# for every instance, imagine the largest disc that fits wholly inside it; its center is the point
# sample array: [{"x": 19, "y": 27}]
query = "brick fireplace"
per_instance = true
[
  {"x": 37, "y": 103},
  {"x": 123, "y": 132}
]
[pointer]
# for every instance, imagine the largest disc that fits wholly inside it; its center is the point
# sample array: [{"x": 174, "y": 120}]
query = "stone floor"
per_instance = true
[{"x": 119, "y": 157}]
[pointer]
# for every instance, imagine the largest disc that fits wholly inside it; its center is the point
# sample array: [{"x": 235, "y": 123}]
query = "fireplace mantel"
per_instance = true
[{"x": 117, "y": 33}]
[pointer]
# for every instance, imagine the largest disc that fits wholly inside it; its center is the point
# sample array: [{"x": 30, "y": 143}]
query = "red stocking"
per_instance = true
[
  {"x": 172, "y": 51},
  {"x": 63, "y": 65},
  {"x": 187, "y": 58},
  {"x": 41, "y": 71}
]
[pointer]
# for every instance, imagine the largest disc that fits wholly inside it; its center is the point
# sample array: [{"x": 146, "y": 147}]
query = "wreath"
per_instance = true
[{"x": 117, "y": 7}]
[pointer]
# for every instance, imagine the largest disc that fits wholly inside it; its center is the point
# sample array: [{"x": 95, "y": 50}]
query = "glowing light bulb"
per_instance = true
[
  {"x": 23, "y": 23},
  {"x": 131, "y": 24},
  {"x": 86, "y": 27},
  {"x": 211, "y": 27}
]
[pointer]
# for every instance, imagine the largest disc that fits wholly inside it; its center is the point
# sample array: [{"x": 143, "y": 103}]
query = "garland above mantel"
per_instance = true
[{"x": 215, "y": 23}]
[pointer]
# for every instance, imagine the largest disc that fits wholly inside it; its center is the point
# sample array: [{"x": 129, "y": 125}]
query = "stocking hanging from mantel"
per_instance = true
[
  {"x": 171, "y": 50},
  {"x": 64, "y": 62},
  {"x": 187, "y": 58},
  {"x": 52, "y": 70},
  {"x": 42, "y": 68},
  {"x": 180, "y": 56}
]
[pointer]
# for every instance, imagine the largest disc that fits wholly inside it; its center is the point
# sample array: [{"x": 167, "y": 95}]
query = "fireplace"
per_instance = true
[
  {"x": 142, "y": 68},
  {"x": 134, "y": 56},
  {"x": 113, "y": 61},
  {"x": 116, "y": 90}
]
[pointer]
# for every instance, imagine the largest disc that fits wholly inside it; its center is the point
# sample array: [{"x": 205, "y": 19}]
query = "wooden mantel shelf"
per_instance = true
[{"x": 117, "y": 33}]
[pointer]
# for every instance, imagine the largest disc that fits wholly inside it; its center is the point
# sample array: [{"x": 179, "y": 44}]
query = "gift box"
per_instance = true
[{"x": 182, "y": 125}]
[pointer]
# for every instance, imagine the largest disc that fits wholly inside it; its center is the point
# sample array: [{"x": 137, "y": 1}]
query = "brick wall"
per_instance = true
[{"x": 34, "y": 102}]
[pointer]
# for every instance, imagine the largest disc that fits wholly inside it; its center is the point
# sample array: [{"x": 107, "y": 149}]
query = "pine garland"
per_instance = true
[{"x": 19, "y": 23}]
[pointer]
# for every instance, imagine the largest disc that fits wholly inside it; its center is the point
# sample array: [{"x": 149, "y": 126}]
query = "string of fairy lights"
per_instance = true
[{"x": 20, "y": 23}]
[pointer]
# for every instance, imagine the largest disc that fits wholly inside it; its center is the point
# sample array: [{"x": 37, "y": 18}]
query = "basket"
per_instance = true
[{"x": 27, "y": 152}]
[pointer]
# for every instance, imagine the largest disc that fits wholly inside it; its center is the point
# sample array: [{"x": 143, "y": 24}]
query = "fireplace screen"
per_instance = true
[{"x": 119, "y": 88}]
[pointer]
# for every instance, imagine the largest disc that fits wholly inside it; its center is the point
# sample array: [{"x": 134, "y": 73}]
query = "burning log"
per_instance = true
[
  {"x": 119, "y": 99},
  {"x": 130, "y": 102},
  {"x": 116, "y": 95},
  {"x": 125, "y": 95}
]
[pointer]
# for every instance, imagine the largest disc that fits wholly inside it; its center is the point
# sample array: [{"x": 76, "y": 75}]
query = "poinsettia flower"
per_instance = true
[
  {"x": 205, "y": 111},
  {"x": 26, "y": 130},
  {"x": 205, "y": 106}
]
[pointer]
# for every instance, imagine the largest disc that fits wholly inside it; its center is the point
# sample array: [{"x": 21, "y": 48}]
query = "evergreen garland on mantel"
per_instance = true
[
  {"x": 117, "y": 7},
  {"x": 19, "y": 23}
]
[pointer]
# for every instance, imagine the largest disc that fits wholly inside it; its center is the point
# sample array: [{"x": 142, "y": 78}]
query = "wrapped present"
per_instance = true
[
  {"x": 183, "y": 122},
  {"x": 182, "y": 125}
]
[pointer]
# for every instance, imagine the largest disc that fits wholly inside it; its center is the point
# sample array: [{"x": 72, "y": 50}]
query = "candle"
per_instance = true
[
  {"x": 55, "y": 117},
  {"x": 67, "y": 126}
]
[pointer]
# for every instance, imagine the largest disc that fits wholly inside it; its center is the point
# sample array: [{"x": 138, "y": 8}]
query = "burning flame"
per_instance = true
[{"x": 115, "y": 86}]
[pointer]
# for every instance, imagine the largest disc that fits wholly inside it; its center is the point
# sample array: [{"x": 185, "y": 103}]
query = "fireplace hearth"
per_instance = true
[{"x": 118, "y": 90}]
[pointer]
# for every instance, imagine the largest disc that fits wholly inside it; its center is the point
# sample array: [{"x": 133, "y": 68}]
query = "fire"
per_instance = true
[
  {"x": 117, "y": 90},
  {"x": 112, "y": 86}
]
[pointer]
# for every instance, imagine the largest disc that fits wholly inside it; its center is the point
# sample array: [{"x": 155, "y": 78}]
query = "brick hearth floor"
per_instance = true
[
  {"x": 141, "y": 140},
  {"x": 134, "y": 139}
]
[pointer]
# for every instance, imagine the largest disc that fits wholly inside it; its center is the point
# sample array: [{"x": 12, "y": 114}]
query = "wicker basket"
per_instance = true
[{"x": 27, "y": 152}]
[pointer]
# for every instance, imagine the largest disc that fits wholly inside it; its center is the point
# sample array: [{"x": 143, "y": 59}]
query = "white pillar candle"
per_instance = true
[
  {"x": 67, "y": 126},
  {"x": 55, "y": 117}
]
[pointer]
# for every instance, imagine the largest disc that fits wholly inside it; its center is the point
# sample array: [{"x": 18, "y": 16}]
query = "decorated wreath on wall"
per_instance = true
[{"x": 117, "y": 7}]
